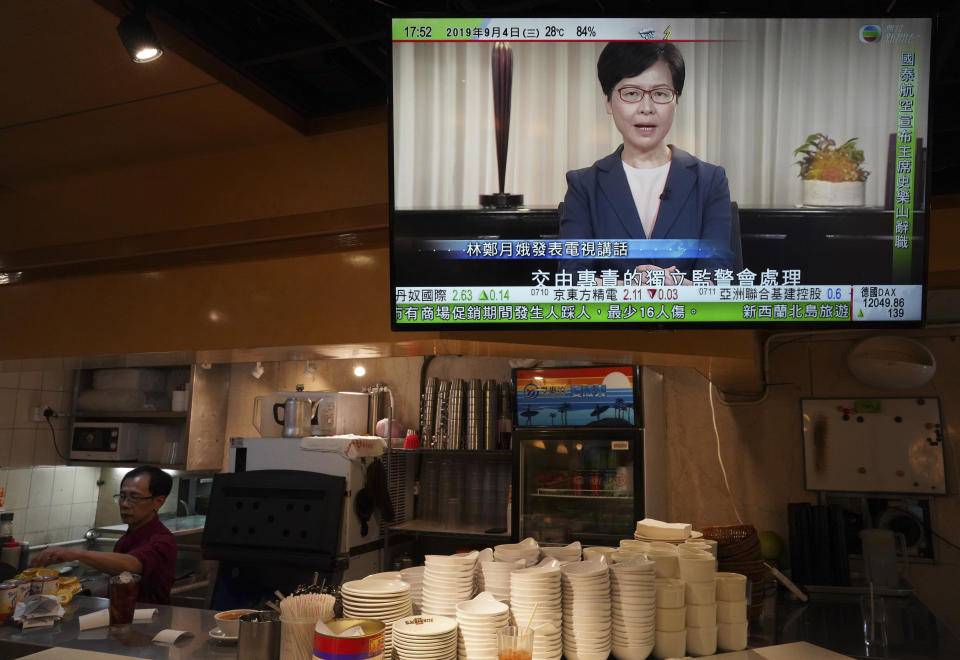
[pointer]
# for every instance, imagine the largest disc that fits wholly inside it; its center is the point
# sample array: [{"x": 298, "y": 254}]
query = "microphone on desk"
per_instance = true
[{"x": 665, "y": 194}]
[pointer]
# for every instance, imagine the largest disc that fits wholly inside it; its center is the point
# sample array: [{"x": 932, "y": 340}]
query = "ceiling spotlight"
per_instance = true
[
  {"x": 139, "y": 38},
  {"x": 359, "y": 371},
  {"x": 11, "y": 277},
  {"x": 257, "y": 371}
]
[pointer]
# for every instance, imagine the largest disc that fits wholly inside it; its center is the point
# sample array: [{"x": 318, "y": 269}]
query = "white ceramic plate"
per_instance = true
[{"x": 219, "y": 635}]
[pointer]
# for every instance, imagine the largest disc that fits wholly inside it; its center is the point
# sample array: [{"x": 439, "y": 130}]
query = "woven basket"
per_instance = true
[{"x": 729, "y": 534}]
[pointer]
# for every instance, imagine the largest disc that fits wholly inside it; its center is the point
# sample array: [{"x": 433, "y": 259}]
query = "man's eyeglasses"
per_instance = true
[
  {"x": 658, "y": 95},
  {"x": 133, "y": 499}
]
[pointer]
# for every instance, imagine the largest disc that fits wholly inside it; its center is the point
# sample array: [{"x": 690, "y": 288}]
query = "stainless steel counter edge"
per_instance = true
[{"x": 136, "y": 642}]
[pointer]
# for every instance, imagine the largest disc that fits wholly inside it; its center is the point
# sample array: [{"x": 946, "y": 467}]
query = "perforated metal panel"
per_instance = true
[{"x": 258, "y": 515}]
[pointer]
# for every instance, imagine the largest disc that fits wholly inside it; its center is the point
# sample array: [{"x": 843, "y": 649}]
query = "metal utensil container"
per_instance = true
[
  {"x": 473, "y": 428},
  {"x": 441, "y": 437},
  {"x": 259, "y": 636},
  {"x": 491, "y": 411},
  {"x": 455, "y": 416},
  {"x": 428, "y": 411}
]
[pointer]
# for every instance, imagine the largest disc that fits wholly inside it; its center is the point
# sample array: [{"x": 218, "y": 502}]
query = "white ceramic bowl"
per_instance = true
[
  {"x": 672, "y": 619},
  {"x": 670, "y": 592},
  {"x": 670, "y": 644},
  {"x": 702, "y": 616},
  {"x": 700, "y": 593},
  {"x": 702, "y": 641},
  {"x": 697, "y": 567},
  {"x": 732, "y": 636},
  {"x": 596, "y": 552},
  {"x": 731, "y": 586},
  {"x": 731, "y": 611}
]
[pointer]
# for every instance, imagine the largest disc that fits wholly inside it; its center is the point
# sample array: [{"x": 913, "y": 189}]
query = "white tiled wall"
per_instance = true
[
  {"x": 28, "y": 384},
  {"x": 51, "y": 503}
]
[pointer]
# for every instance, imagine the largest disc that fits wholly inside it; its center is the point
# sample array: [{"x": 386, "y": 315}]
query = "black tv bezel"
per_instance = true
[{"x": 626, "y": 326}]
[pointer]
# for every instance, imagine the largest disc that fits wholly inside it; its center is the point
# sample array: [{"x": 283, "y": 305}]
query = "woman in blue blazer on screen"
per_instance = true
[{"x": 647, "y": 188}]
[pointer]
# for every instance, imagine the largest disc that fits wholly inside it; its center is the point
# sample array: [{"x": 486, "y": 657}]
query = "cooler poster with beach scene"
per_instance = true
[
  {"x": 597, "y": 397},
  {"x": 578, "y": 441}
]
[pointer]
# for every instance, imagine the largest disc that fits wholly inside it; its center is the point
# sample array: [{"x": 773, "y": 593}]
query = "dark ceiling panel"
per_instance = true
[{"x": 317, "y": 58}]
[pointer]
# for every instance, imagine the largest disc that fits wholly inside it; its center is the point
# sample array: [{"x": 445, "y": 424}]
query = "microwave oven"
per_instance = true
[{"x": 107, "y": 441}]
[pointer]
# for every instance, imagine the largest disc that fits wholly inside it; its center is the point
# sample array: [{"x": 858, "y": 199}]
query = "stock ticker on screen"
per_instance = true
[{"x": 745, "y": 233}]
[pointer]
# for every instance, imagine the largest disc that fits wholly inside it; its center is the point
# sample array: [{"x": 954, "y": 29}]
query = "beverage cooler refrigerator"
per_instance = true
[{"x": 589, "y": 453}]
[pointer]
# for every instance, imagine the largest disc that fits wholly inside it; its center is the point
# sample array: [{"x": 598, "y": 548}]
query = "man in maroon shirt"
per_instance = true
[{"x": 147, "y": 547}]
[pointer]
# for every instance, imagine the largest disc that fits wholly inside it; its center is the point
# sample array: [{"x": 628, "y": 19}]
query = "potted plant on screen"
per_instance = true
[{"x": 832, "y": 175}]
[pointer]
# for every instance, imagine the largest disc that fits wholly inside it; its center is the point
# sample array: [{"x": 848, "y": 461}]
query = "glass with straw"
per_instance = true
[{"x": 515, "y": 643}]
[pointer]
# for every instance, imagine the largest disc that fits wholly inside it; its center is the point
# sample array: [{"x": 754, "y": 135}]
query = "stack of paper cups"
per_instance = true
[
  {"x": 670, "y": 640},
  {"x": 731, "y": 611},
  {"x": 699, "y": 570}
]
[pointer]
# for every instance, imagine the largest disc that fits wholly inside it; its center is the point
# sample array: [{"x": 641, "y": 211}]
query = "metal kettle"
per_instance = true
[{"x": 298, "y": 415}]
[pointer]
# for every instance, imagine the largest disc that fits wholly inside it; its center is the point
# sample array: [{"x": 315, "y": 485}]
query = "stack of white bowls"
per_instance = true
[
  {"x": 629, "y": 549},
  {"x": 565, "y": 554},
  {"x": 414, "y": 577},
  {"x": 698, "y": 569},
  {"x": 479, "y": 619},
  {"x": 598, "y": 551},
  {"x": 495, "y": 577},
  {"x": 425, "y": 638},
  {"x": 536, "y": 587},
  {"x": 377, "y": 598},
  {"x": 633, "y": 607},
  {"x": 731, "y": 611},
  {"x": 528, "y": 550},
  {"x": 547, "y": 642},
  {"x": 447, "y": 580},
  {"x": 671, "y": 618},
  {"x": 708, "y": 545},
  {"x": 665, "y": 557},
  {"x": 586, "y": 610}
]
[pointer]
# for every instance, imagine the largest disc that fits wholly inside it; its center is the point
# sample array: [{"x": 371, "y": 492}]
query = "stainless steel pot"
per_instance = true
[{"x": 297, "y": 416}]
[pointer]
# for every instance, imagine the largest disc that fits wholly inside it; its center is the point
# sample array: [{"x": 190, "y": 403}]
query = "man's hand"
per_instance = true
[{"x": 54, "y": 555}]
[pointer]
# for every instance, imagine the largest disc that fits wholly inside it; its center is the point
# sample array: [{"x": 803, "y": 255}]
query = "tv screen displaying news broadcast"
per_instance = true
[{"x": 630, "y": 172}]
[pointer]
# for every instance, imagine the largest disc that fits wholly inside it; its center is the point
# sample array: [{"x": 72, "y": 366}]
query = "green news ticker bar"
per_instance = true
[{"x": 612, "y": 313}]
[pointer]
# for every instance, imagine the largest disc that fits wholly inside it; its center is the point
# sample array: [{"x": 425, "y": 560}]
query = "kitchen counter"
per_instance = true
[
  {"x": 177, "y": 526},
  {"x": 135, "y": 642},
  {"x": 834, "y": 622}
]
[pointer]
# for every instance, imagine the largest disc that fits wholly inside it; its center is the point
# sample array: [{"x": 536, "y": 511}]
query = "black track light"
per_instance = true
[{"x": 139, "y": 38}]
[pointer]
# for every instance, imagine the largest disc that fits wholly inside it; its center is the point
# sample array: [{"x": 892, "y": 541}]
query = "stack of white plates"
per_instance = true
[
  {"x": 377, "y": 598},
  {"x": 527, "y": 550},
  {"x": 479, "y": 619},
  {"x": 633, "y": 606},
  {"x": 629, "y": 549},
  {"x": 566, "y": 553},
  {"x": 495, "y": 577},
  {"x": 538, "y": 586},
  {"x": 547, "y": 642},
  {"x": 414, "y": 577},
  {"x": 425, "y": 638},
  {"x": 586, "y": 610},
  {"x": 447, "y": 580},
  {"x": 666, "y": 538}
]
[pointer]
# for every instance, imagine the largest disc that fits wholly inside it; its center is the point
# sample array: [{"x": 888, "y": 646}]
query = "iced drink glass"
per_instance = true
[
  {"x": 123, "y": 590},
  {"x": 514, "y": 644}
]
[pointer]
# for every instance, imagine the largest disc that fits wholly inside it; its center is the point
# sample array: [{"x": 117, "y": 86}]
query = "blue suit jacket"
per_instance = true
[{"x": 599, "y": 204}]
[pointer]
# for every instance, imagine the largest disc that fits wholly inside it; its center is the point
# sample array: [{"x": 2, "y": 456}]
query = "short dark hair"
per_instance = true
[
  {"x": 625, "y": 59},
  {"x": 161, "y": 483}
]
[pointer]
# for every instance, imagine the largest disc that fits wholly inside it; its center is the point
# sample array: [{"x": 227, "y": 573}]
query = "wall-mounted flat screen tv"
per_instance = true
[{"x": 626, "y": 172}]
